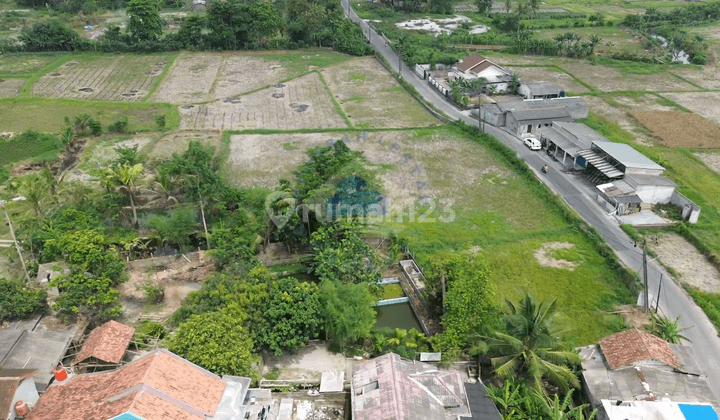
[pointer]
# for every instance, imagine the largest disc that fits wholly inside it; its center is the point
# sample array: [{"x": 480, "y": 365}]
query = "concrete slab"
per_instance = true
[
  {"x": 332, "y": 381},
  {"x": 286, "y": 408},
  {"x": 643, "y": 218}
]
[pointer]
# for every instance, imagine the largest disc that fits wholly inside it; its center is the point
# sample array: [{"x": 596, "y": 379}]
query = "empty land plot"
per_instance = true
[
  {"x": 513, "y": 59},
  {"x": 372, "y": 98},
  {"x": 10, "y": 88},
  {"x": 680, "y": 129},
  {"x": 243, "y": 73},
  {"x": 705, "y": 76},
  {"x": 711, "y": 159},
  {"x": 548, "y": 74},
  {"x": 704, "y": 104},
  {"x": 24, "y": 63},
  {"x": 43, "y": 114},
  {"x": 300, "y": 103},
  {"x": 103, "y": 77},
  {"x": 178, "y": 142},
  {"x": 620, "y": 117},
  {"x": 190, "y": 78},
  {"x": 610, "y": 79},
  {"x": 684, "y": 258}
]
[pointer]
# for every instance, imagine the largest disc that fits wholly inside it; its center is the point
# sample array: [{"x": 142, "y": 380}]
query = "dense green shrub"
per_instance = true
[
  {"x": 52, "y": 35},
  {"x": 120, "y": 126},
  {"x": 18, "y": 301},
  {"x": 30, "y": 144}
]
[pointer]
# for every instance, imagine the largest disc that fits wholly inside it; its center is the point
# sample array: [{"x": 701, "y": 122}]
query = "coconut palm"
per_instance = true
[
  {"x": 35, "y": 191},
  {"x": 667, "y": 329},
  {"x": 529, "y": 348},
  {"x": 125, "y": 178},
  {"x": 166, "y": 187}
]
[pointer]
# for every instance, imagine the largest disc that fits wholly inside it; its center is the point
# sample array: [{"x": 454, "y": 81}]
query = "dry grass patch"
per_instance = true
[
  {"x": 705, "y": 76},
  {"x": 300, "y": 103},
  {"x": 242, "y": 73},
  {"x": 190, "y": 78},
  {"x": 680, "y": 129},
  {"x": 10, "y": 88},
  {"x": 711, "y": 159},
  {"x": 545, "y": 74},
  {"x": 704, "y": 104},
  {"x": 371, "y": 97},
  {"x": 24, "y": 63},
  {"x": 178, "y": 142},
  {"x": 619, "y": 117},
  {"x": 683, "y": 257},
  {"x": 103, "y": 77},
  {"x": 609, "y": 79}
]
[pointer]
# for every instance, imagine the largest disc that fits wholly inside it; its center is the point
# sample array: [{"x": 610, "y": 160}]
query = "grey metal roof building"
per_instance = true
[
  {"x": 539, "y": 90},
  {"x": 576, "y": 106},
  {"x": 628, "y": 157},
  {"x": 568, "y": 139},
  {"x": 481, "y": 407}
]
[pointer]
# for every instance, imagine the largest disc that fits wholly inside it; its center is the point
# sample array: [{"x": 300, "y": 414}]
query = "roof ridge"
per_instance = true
[
  {"x": 189, "y": 363},
  {"x": 167, "y": 398},
  {"x": 394, "y": 371}
]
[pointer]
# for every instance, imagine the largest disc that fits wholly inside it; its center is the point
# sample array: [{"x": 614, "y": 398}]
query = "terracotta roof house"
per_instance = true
[
  {"x": 16, "y": 385},
  {"x": 475, "y": 66},
  {"x": 633, "y": 367},
  {"x": 157, "y": 386},
  {"x": 107, "y": 343},
  {"x": 389, "y": 387}
]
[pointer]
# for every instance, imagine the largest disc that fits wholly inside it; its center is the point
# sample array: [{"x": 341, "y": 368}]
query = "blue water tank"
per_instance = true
[{"x": 562, "y": 93}]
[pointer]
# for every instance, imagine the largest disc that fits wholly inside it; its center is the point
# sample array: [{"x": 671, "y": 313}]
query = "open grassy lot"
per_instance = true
[
  {"x": 42, "y": 114},
  {"x": 40, "y": 146},
  {"x": 205, "y": 76},
  {"x": 177, "y": 142},
  {"x": 615, "y": 39},
  {"x": 300, "y": 103},
  {"x": 103, "y": 77},
  {"x": 704, "y": 104},
  {"x": 610, "y": 79},
  {"x": 489, "y": 209},
  {"x": 25, "y": 63},
  {"x": 11, "y": 87},
  {"x": 550, "y": 74},
  {"x": 372, "y": 98}
]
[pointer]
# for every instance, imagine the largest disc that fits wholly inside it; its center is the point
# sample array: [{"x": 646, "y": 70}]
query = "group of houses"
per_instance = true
[
  {"x": 631, "y": 375},
  {"x": 625, "y": 181}
]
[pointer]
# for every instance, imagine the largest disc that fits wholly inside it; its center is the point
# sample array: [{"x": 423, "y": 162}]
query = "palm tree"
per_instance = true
[
  {"x": 167, "y": 187},
  {"x": 667, "y": 329},
  {"x": 530, "y": 348},
  {"x": 125, "y": 177},
  {"x": 52, "y": 180},
  {"x": 35, "y": 191}
]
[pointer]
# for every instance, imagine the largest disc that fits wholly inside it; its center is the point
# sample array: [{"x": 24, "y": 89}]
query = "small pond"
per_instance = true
[{"x": 399, "y": 315}]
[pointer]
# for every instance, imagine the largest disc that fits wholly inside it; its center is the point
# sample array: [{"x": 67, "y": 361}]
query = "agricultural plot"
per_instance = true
[
  {"x": 705, "y": 76},
  {"x": 300, "y": 103},
  {"x": 103, "y": 77},
  {"x": 548, "y": 74},
  {"x": 610, "y": 79},
  {"x": 24, "y": 63},
  {"x": 178, "y": 142},
  {"x": 704, "y": 104},
  {"x": 371, "y": 97},
  {"x": 619, "y": 116},
  {"x": 615, "y": 39},
  {"x": 190, "y": 78},
  {"x": 680, "y": 129},
  {"x": 10, "y": 88}
]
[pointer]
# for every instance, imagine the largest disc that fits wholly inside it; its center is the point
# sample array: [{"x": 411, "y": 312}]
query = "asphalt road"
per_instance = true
[{"x": 674, "y": 301}]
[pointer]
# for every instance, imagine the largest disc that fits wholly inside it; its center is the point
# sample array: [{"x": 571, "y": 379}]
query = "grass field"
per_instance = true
[
  {"x": 26, "y": 64},
  {"x": 42, "y": 114},
  {"x": 39, "y": 146}
]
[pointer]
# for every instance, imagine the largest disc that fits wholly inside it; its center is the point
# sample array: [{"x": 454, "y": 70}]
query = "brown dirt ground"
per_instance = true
[
  {"x": 110, "y": 78},
  {"x": 680, "y": 129},
  {"x": 300, "y": 103},
  {"x": 545, "y": 74},
  {"x": 242, "y": 73},
  {"x": 704, "y": 104},
  {"x": 178, "y": 142},
  {"x": 10, "y": 88},
  {"x": 635, "y": 316},
  {"x": 547, "y": 261},
  {"x": 377, "y": 101},
  {"x": 694, "y": 269},
  {"x": 705, "y": 77},
  {"x": 620, "y": 117},
  {"x": 610, "y": 79},
  {"x": 190, "y": 78},
  {"x": 711, "y": 159}
]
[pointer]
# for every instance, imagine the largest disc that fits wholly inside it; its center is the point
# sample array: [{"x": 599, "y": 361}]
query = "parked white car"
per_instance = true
[{"x": 532, "y": 143}]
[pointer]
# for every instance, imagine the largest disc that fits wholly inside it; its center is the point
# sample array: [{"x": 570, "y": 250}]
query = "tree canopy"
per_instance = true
[{"x": 349, "y": 314}]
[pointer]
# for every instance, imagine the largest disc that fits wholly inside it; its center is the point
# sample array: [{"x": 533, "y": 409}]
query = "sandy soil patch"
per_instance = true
[
  {"x": 610, "y": 79},
  {"x": 10, "y": 88},
  {"x": 543, "y": 258},
  {"x": 370, "y": 96},
  {"x": 711, "y": 159},
  {"x": 103, "y": 78},
  {"x": 545, "y": 74},
  {"x": 694, "y": 269},
  {"x": 300, "y": 103},
  {"x": 308, "y": 363},
  {"x": 178, "y": 142},
  {"x": 680, "y": 129},
  {"x": 417, "y": 169},
  {"x": 635, "y": 316},
  {"x": 190, "y": 78},
  {"x": 704, "y": 104}
]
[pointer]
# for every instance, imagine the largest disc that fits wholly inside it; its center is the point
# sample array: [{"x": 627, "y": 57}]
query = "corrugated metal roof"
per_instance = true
[
  {"x": 628, "y": 156},
  {"x": 542, "y": 88},
  {"x": 469, "y": 62},
  {"x": 577, "y": 107},
  {"x": 651, "y": 180},
  {"x": 481, "y": 407},
  {"x": 544, "y": 114},
  {"x": 600, "y": 163},
  {"x": 585, "y": 134}
]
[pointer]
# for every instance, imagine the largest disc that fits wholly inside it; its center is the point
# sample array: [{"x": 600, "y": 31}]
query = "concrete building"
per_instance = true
[
  {"x": 16, "y": 387},
  {"x": 530, "y": 116},
  {"x": 636, "y": 367},
  {"x": 565, "y": 140},
  {"x": 539, "y": 90},
  {"x": 657, "y": 410},
  {"x": 476, "y": 66}
]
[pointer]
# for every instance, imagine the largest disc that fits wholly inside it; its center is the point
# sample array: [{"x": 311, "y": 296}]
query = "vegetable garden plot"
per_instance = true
[
  {"x": 103, "y": 78},
  {"x": 297, "y": 104}
]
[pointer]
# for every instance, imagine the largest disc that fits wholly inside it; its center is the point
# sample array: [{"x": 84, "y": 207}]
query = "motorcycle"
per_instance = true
[{"x": 544, "y": 169}]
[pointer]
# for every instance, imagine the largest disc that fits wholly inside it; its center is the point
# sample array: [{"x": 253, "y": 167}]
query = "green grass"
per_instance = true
[
  {"x": 709, "y": 302},
  {"x": 567, "y": 254},
  {"x": 289, "y": 146},
  {"x": 357, "y": 77},
  {"x": 338, "y": 108},
  {"x": 46, "y": 115},
  {"x": 41, "y": 147},
  {"x": 287, "y": 267},
  {"x": 26, "y": 64},
  {"x": 304, "y": 61},
  {"x": 170, "y": 59},
  {"x": 357, "y": 99},
  {"x": 392, "y": 291}
]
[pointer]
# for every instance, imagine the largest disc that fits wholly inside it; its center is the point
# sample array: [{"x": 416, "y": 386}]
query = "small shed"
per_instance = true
[
  {"x": 539, "y": 90},
  {"x": 105, "y": 347}
]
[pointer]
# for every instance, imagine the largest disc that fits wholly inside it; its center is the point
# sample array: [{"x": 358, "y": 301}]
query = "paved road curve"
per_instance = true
[{"x": 674, "y": 301}]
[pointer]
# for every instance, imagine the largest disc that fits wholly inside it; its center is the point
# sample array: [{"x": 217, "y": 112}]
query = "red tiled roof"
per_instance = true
[
  {"x": 627, "y": 347},
  {"x": 9, "y": 381},
  {"x": 158, "y": 386},
  {"x": 107, "y": 343},
  {"x": 470, "y": 61}
]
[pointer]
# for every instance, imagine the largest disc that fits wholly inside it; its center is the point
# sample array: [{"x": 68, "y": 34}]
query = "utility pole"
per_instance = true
[
  {"x": 657, "y": 298},
  {"x": 645, "y": 274},
  {"x": 17, "y": 247}
]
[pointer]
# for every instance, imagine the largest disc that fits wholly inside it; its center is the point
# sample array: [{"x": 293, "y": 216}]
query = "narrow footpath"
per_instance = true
[{"x": 674, "y": 301}]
